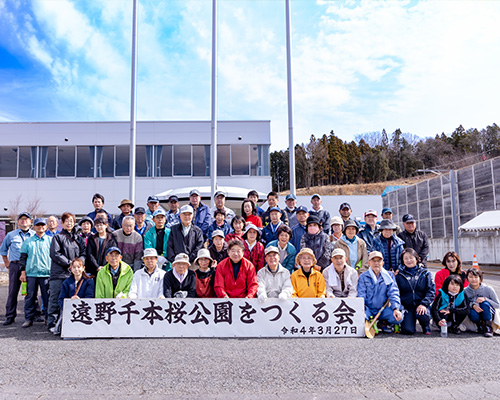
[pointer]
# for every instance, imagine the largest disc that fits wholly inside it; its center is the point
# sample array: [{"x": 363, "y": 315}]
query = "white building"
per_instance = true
[{"x": 62, "y": 164}]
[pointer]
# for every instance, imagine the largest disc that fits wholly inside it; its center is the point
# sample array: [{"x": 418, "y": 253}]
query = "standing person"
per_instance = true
[
  {"x": 273, "y": 280},
  {"x": 147, "y": 282},
  {"x": 35, "y": 270},
  {"x": 254, "y": 196},
  {"x": 238, "y": 226},
  {"x": 345, "y": 212},
  {"x": 65, "y": 247},
  {"x": 291, "y": 209},
  {"x": 97, "y": 247},
  {"x": 272, "y": 201},
  {"x": 270, "y": 231},
  {"x": 173, "y": 212},
  {"x": 130, "y": 243},
  {"x": 387, "y": 214},
  {"x": 318, "y": 241},
  {"x": 201, "y": 212},
  {"x": 86, "y": 225},
  {"x": 52, "y": 225},
  {"x": 415, "y": 239},
  {"x": 337, "y": 225},
  {"x": 219, "y": 224},
  {"x": 452, "y": 266},
  {"x": 376, "y": 286},
  {"x": 205, "y": 274},
  {"x": 249, "y": 212},
  {"x": 354, "y": 247},
  {"x": 369, "y": 231},
  {"x": 220, "y": 204},
  {"x": 78, "y": 285},
  {"x": 11, "y": 254},
  {"x": 126, "y": 207},
  {"x": 483, "y": 302},
  {"x": 153, "y": 205},
  {"x": 185, "y": 237},
  {"x": 235, "y": 276},
  {"x": 218, "y": 248},
  {"x": 286, "y": 250},
  {"x": 142, "y": 225},
  {"x": 451, "y": 305},
  {"x": 180, "y": 282},
  {"x": 254, "y": 249},
  {"x": 98, "y": 204},
  {"x": 157, "y": 237},
  {"x": 416, "y": 289},
  {"x": 318, "y": 210},
  {"x": 114, "y": 280},
  {"x": 307, "y": 281},
  {"x": 300, "y": 228},
  {"x": 389, "y": 245},
  {"x": 340, "y": 278}
]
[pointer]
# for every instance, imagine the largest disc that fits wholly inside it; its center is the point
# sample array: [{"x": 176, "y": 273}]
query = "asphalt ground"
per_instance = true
[{"x": 35, "y": 364}]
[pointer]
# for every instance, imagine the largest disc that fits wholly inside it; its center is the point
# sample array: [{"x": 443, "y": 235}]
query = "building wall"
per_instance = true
[{"x": 486, "y": 249}]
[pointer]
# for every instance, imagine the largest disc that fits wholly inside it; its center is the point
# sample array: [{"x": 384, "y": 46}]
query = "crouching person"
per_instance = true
[
  {"x": 114, "y": 280},
  {"x": 147, "y": 282},
  {"x": 78, "y": 286},
  {"x": 376, "y": 286},
  {"x": 451, "y": 305},
  {"x": 274, "y": 279},
  {"x": 180, "y": 281},
  {"x": 341, "y": 279}
]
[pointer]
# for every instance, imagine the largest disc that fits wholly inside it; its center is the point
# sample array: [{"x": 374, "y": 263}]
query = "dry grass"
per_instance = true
[{"x": 352, "y": 189}]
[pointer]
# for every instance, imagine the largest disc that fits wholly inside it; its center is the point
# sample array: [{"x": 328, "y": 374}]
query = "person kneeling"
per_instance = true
[
  {"x": 451, "y": 305},
  {"x": 180, "y": 282},
  {"x": 376, "y": 286},
  {"x": 148, "y": 281},
  {"x": 274, "y": 279}
]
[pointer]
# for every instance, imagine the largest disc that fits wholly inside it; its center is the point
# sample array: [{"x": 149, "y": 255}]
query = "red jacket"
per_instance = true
[
  {"x": 444, "y": 273},
  {"x": 244, "y": 286},
  {"x": 254, "y": 219},
  {"x": 256, "y": 256}
]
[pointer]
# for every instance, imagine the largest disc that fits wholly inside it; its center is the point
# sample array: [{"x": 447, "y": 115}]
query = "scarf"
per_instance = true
[
  {"x": 386, "y": 276},
  {"x": 334, "y": 278}
]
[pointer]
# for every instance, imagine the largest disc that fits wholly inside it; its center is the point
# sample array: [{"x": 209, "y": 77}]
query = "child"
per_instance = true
[
  {"x": 219, "y": 224},
  {"x": 482, "y": 301},
  {"x": 205, "y": 274},
  {"x": 237, "y": 223},
  {"x": 451, "y": 305}
]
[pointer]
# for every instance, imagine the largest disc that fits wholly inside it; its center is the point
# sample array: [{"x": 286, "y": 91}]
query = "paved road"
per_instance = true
[{"x": 36, "y": 365}]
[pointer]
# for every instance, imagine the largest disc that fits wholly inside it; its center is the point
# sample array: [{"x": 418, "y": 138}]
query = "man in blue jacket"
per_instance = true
[
  {"x": 377, "y": 286},
  {"x": 201, "y": 216}
]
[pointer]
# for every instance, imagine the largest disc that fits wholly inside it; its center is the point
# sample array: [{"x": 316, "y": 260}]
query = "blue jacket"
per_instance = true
[
  {"x": 268, "y": 235},
  {"x": 397, "y": 246},
  {"x": 35, "y": 256},
  {"x": 12, "y": 243},
  {"x": 226, "y": 228},
  {"x": 297, "y": 233},
  {"x": 368, "y": 235},
  {"x": 289, "y": 261},
  {"x": 202, "y": 219},
  {"x": 376, "y": 294},
  {"x": 416, "y": 287},
  {"x": 87, "y": 290}
]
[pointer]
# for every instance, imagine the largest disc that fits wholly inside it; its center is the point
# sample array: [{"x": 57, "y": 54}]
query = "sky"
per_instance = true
[{"x": 424, "y": 67}]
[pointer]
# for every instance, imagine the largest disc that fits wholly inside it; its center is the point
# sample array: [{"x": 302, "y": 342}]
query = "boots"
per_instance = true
[{"x": 488, "y": 330}]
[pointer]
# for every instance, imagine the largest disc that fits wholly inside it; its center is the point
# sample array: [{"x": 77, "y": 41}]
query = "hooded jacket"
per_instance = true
[{"x": 392, "y": 256}]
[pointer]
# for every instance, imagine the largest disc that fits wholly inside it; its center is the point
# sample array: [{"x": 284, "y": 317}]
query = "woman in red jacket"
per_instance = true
[
  {"x": 452, "y": 266},
  {"x": 249, "y": 212},
  {"x": 235, "y": 276},
  {"x": 254, "y": 249}
]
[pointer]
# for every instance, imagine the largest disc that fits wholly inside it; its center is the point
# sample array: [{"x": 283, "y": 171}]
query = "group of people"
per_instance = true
[{"x": 197, "y": 251}]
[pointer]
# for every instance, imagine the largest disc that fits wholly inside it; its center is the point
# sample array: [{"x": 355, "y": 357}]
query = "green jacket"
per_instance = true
[{"x": 104, "y": 282}]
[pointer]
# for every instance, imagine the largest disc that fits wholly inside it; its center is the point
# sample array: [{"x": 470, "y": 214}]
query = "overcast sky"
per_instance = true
[{"x": 358, "y": 66}]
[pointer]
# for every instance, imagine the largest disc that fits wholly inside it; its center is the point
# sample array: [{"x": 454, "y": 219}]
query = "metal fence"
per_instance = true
[{"x": 477, "y": 190}]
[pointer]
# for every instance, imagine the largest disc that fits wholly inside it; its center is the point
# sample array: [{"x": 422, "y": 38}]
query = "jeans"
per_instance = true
[
  {"x": 486, "y": 315},
  {"x": 53, "y": 307},
  {"x": 409, "y": 324},
  {"x": 30, "y": 301}
]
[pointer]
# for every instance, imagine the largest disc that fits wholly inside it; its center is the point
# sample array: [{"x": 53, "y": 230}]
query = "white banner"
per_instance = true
[{"x": 93, "y": 318}]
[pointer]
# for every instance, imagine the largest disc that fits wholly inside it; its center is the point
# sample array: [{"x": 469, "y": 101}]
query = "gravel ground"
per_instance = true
[{"x": 37, "y": 365}]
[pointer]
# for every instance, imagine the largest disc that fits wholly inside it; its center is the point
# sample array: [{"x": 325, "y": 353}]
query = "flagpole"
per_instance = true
[
  {"x": 291, "y": 145},
  {"x": 133, "y": 109},
  {"x": 213, "y": 158}
]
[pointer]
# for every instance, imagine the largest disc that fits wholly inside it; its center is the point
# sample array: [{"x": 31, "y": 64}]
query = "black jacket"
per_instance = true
[
  {"x": 418, "y": 241},
  {"x": 171, "y": 285},
  {"x": 94, "y": 258},
  {"x": 456, "y": 313},
  {"x": 190, "y": 244},
  {"x": 64, "y": 248},
  {"x": 415, "y": 289}
]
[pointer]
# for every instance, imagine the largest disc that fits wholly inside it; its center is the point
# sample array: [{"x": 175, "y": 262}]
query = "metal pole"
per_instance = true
[
  {"x": 454, "y": 211},
  {"x": 133, "y": 109},
  {"x": 213, "y": 158},
  {"x": 291, "y": 145}
]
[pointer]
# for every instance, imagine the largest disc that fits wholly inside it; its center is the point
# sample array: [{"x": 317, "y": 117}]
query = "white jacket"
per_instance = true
[
  {"x": 145, "y": 286},
  {"x": 333, "y": 287},
  {"x": 274, "y": 285}
]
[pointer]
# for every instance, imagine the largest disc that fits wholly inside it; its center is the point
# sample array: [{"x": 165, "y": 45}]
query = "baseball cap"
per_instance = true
[
  {"x": 302, "y": 208},
  {"x": 140, "y": 210},
  {"x": 375, "y": 254},
  {"x": 408, "y": 218},
  {"x": 371, "y": 211},
  {"x": 150, "y": 252},
  {"x": 386, "y": 210},
  {"x": 40, "y": 221},
  {"x": 290, "y": 196},
  {"x": 194, "y": 191},
  {"x": 24, "y": 214},
  {"x": 186, "y": 209},
  {"x": 153, "y": 199},
  {"x": 338, "y": 252},
  {"x": 173, "y": 198},
  {"x": 315, "y": 195},
  {"x": 160, "y": 211},
  {"x": 271, "y": 249},
  {"x": 218, "y": 193},
  {"x": 114, "y": 248},
  {"x": 345, "y": 205}
]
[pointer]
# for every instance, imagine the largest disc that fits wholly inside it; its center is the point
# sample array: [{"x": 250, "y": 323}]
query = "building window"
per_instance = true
[
  {"x": 27, "y": 161},
  {"x": 201, "y": 160},
  {"x": 240, "y": 163},
  {"x": 122, "y": 163},
  {"x": 259, "y": 159},
  {"x": 163, "y": 161},
  {"x": 47, "y": 162},
  {"x": 182, "y": 160},
  {"x": 144, "y": 161},
  {"x": 105, "y": 161},
  {"x": 8, "y": 162},
  {"x": 224, "y": 160},
  {"x": 85, "y": 157},
  {"x": 66, "y": 161}
]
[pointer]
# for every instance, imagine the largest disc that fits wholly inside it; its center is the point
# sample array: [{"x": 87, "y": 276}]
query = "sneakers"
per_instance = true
[
  {"x": 427, "y": 330},
  {"x": 27, "y": 324},
  {"x": 455, "y": 330}
]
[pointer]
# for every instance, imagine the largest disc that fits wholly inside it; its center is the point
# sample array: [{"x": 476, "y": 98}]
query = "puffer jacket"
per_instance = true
[
  {"x": 392, "y": 256},
  {"x": 272, "y": 285},
  {"x": 320, "y": 244},
  {"x": 415, "y": 287},
  {"x": 65, "y": 247}
]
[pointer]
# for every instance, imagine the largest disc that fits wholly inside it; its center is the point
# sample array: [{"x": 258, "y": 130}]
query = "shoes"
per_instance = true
[
  {"x": 39, "y": 318},
  {"x": 27, "y": 324},
  {"x": 386, "y": 329},
  {"x": 488, "y": 331},
  {"x": 427, "y": 330},
  {"x": 455, "y": 330},
  {"x": 9, "y": 321}
]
